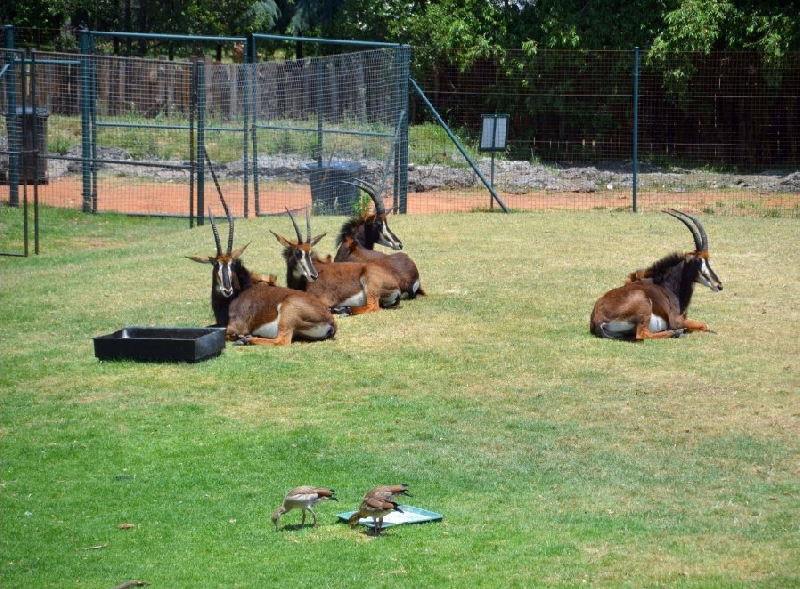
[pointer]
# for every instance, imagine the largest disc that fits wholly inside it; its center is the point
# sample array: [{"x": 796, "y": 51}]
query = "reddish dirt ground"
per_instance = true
[{"x": 131, "y": 196}]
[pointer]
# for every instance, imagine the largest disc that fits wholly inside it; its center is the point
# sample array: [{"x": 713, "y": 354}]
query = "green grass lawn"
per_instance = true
[{"x": 557, "y": 459}]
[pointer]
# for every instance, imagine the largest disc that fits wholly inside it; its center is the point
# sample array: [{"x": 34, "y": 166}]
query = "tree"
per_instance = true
[
  {"x": 712, "y": 25},
  {"x": 706, "y": 25},
  {"x": 592, "y": 24}
]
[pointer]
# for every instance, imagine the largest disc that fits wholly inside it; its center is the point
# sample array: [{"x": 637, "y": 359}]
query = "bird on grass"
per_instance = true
[
  {"x": 378, "y": 503},
  {"x": 305, "y": 498},
  {"x": 390, "y": 492}
]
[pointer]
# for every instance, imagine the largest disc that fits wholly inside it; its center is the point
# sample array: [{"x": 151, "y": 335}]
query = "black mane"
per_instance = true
[
  {"x": 662, "y": 266},
  {"x": 673, "y": 273},
  {"x": 355, "y": 227},
  {"x": 244, "y": 276}
]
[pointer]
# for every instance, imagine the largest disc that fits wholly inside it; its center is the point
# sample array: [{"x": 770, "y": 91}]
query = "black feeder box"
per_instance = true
[
  {"x": 31, "y": 133},
  {"x": 329, "y": 195},
  {"x": 161, "y": 344}
]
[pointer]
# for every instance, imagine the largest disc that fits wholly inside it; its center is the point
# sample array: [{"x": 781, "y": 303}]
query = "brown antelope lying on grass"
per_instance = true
[
  {"x": 654, "y": 301},
  {"x": 357, "y": 239},
  {"x": 361, "y": 287},
  {"x": 253, "y": 309}
]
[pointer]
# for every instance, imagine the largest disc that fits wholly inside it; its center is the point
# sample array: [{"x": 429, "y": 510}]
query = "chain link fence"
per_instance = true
[
  {"x": 586, "y": 130},
  {"x": 717, "y": 133},
  {"x": 132, "y": 135}
]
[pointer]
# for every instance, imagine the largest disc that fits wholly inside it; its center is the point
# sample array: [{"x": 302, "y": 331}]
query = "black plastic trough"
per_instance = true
[{"x": 161, "y": 344}]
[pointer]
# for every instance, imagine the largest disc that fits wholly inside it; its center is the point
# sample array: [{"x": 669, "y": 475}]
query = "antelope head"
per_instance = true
[
  {"x": 371, "y": 228},
  {"x": 226, "y": 273},
  {"x": 697, "y": 260},
  {"x": 299, "y": 255}
]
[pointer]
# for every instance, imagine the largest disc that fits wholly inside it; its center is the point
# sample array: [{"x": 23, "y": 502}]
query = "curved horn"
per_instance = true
[
  {"x": 230, "y": 226},
  {"x": 216, "y": 232},
  {"x": 680, "y": 216},
  {"x": 296, "y": 228},
  {"x": 224, "y": 204},
  {"x": 371, "y": 191},
  {"x": 703, "y": 236}
]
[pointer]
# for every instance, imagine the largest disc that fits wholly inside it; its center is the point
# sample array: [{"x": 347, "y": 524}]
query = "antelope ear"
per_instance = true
[
  {"x": 282, "y": 240},
  {"x": 317, "y": 239},
  {"x": 202, "y": 259},
  {"x": 235, "y": 255}
]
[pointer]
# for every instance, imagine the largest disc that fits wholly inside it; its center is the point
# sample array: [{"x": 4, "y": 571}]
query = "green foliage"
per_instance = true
[
  {"x": 479, "y": 29},
  {"x": 706, "y": 25},
  {"x": 476, "y": 28},
  {"x": 363, "y": 204}
]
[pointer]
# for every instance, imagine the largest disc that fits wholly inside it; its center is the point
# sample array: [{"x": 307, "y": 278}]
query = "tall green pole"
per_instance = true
[
  {"x": 635, "y": 124},
  {"x": 245, "y": 70},
  {"x": 201, "y": 140},
  {"x": 14, "y": 135},
  {"x": 250, "y": 59},
  {"x": 401, "y": 151},
  {"x": 85, "y": 107}
]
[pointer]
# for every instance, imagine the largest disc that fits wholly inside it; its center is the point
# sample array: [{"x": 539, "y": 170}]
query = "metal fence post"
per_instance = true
[
  {"x": 9, "y": 36},
  {"x": 200, "y": 82},
  {"x": 635, "y": 124},
  {"x": 85, "y": 107},
  {"x": 401, "y": 152},
  {"x": 192, "y": 147},
  {"x": 250, "y": 59},
  {"x": 14, "y": 134}
]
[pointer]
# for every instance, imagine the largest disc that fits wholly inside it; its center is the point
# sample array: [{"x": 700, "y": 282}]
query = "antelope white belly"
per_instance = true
[
  {"x": 320, "y": 331},
  {"x": 357, "y": 300},
  {"x": 620, "y": 327},
  {"x": 269, "y": 330},
  {"x": 657, "y": 324}
]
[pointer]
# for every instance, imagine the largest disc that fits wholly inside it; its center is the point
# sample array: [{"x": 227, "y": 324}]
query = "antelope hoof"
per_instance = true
[
  {"x": 343, "y": 311},
  {"x": 242, "y": 341},
  {"x": 679, "y": 333}
]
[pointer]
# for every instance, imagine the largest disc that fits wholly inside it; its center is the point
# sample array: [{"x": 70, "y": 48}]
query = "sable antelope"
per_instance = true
[
  {"x": 253, "y": 309},
  {"x": 305, "y": 498},
  {"x": 654, "y": 301},
  {"x": 357, "y": 239},
  {"x": 362, "y": 287},
  {"x": 378, "y": 503}
]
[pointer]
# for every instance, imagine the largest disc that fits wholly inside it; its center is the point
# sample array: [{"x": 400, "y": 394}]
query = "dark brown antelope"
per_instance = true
[
  {"x": 357, "y": 239},
  {"x": 654, "y": 301},
  {"x": 254, "y": 310},
  {"x": 358, "y": 286}
]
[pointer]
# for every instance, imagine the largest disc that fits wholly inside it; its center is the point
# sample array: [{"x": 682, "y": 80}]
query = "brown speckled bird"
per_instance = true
[
  {"x": 305, "y": 498},
  {"x": 378, "y": 503},
  {"x": 390, "y": 492}
]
